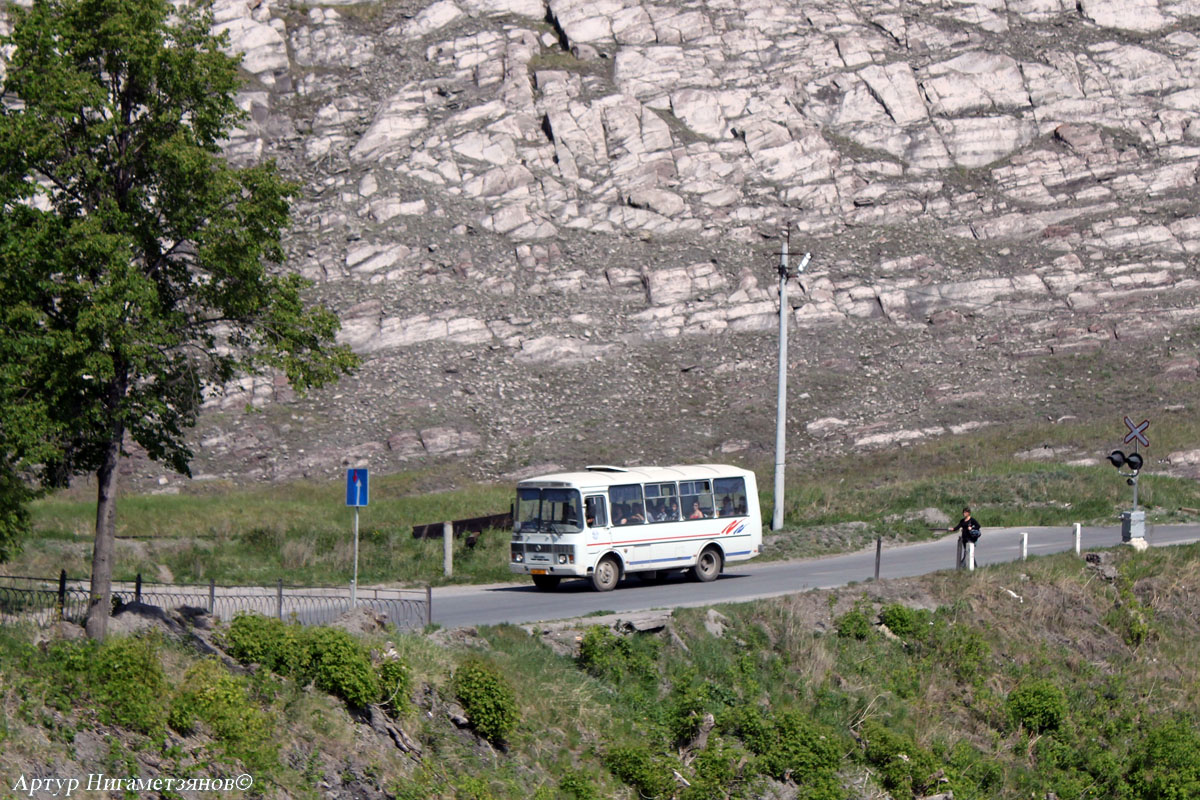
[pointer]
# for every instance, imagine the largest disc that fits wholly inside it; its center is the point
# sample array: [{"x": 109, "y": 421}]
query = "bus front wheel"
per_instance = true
[
  {"x": 546, "y": 582},
  {"x": 708, "y": 565},
  {"x": 606, "y": 575}
]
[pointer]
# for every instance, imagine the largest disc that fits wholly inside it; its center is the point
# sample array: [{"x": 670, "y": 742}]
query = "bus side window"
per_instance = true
[
  {"x": 732, "y": 495},
  {"x": 697, "y": 499},
  {"x": 595, "y": 511},
  {"x": 628, "y": 498}
]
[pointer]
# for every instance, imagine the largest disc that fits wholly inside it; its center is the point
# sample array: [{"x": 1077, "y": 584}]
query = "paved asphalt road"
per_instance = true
[{"x": 461, "y": 606}]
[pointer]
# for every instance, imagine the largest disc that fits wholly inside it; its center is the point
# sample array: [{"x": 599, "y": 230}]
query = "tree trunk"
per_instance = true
[{"x": 100, "y": 602}]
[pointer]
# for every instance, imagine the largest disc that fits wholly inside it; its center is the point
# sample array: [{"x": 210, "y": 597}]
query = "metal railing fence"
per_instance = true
[{"x": 45, "y": 600}]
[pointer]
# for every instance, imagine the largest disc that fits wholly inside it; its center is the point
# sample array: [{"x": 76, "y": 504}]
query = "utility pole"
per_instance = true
[{"x": 781, "y": 398}]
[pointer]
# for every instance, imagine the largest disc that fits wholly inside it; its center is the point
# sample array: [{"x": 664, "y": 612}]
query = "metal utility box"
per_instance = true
[{"x": 1133, "y": 525}]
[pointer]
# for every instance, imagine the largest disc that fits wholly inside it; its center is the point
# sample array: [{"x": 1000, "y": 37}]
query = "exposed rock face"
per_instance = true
[{"x": 551, "y": 228}]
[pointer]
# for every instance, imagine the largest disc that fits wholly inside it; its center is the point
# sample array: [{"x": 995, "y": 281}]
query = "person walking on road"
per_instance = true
[{"x": 970, "y": 534}]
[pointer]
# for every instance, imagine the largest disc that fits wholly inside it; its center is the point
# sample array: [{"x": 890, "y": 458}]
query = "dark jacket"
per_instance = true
[{"x": 969, "y": 528}]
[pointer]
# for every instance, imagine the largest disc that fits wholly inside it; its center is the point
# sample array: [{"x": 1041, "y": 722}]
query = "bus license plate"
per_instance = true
[{"x": 537, "y": 572}]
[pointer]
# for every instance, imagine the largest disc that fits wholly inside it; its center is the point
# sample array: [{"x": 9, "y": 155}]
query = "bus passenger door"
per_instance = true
[{"x": 595, "y": 512}]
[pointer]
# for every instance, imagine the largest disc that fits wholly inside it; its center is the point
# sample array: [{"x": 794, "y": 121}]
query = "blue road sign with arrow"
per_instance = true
[{"x": 357, "y": 485}]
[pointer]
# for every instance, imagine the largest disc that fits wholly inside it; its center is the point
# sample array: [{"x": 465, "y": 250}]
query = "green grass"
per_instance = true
[
  {"x": 985, "y": 694},
  {"x": 302, "y": 532}
]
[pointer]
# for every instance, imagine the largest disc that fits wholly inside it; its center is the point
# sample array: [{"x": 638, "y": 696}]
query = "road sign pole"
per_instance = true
[
  {"x": 354, "y": 582},
  {"x": 357, "y": 495}
]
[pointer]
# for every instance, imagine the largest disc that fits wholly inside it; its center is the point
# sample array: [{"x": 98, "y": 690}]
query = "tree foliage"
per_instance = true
[{"x": 137, "y": 266}]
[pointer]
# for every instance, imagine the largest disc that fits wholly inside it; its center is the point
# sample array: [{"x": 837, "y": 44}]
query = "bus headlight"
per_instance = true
[
  {"x": 518, "y": 557},
  {"x": 562, "y": 558}
]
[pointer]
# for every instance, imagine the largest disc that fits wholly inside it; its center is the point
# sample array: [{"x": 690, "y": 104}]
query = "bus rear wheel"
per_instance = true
[
  {"x": 546, "y": 582},
  {"x": 606, "y": 575},
  {"x": 708, "y": 565}
]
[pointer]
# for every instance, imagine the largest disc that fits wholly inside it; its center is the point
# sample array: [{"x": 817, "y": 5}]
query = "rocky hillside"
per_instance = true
[{"x": 552, "y": 229}]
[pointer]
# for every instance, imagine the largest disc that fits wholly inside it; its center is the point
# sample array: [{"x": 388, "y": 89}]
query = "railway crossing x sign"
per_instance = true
[{"x": 1137, "y": 433}]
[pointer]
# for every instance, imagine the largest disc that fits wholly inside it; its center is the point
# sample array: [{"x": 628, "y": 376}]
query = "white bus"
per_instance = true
[{"x": 606, "y": 522}]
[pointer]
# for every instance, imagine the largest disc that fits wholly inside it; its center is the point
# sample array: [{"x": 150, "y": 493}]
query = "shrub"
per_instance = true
[
  {"x": 648, "y": 773},
  {"x": 906, "y": 769},
  {"x": 395, "y": 684},
  {"x": 801, "y": 747},
  {"x": 67, "y": 672},
  {"x": 905, "y": 622},
  {"x": 487, "y": 698},
  {"x": 269, "y": 642},
  {"x": 606, "y": 655},
  {"x": 1166, "y": 765},
  {"x": 210, "y": 695},
  {"x": 340, "y": 665},
  {"x": 963, "y": 650},
  {"x": 685, "y": 713},
  {"x": 128, "y": 684},
  {"x": 1038, "y": 706},
  {"x": 577, "y": 786},
  {"x": 332, "y": 659},
  {"x": 788, "y": 744},
  {"x": 855, "y": 623},
  {"x": 1130, "y": 618},
  {"x": 714, "y": 771}
]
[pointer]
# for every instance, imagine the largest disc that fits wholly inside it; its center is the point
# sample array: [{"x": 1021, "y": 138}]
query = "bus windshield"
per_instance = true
[{"x": 547, "y": 511}]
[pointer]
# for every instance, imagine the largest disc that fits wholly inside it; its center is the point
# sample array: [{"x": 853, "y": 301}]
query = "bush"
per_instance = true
[
  {"x": 906, "y": 769},
  {"x": 714, "y": 769},
  {"x": 395, "y": 683},
  {"x": 648, "y": 773},
  {"x": 1166, "y": 766},
  {"x": 1130, "y": 618},
  {"x": 128, "y": 684},
  {"x": 802, "y": 747},
  {"x": 577, "y": 786},
  {"x": 685, "y": 713},
  {"x": 210, "y": 695},
  {"x": 340, "y": 665},
  {"x": 963, "y": 650},
  {"x": 606, "y": 655},
  {"x": 332, "y": 659},
  {"x": 854, "y": 624},
  {"x": 269, "y": 642},
  {"x": 67, "y": 672},
  {"x": 487, "y": 698},
  {"x": 905, "y": 622},
  {"x": 1038, "y": 706},
  {"x": 789, "y": 744}
]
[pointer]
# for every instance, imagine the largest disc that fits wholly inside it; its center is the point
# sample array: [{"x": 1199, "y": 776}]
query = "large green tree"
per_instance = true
[{"x": 137, "y": 266}]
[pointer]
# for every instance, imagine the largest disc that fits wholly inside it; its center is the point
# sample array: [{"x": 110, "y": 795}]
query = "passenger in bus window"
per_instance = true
[
  {"x": 696, "y": 512},
  {"x": 636, "y": 515},
  {"x": 726, "y": 506},
  {"x": 673, "y": 511}
]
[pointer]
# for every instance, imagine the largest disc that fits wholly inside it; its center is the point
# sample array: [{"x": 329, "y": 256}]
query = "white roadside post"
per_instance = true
[
  {"x": 1078, "y": 537},
  {"x": 1024, "y": 545},
  {"x": 448, "y": 549},
  {"x": 970, "y": 556}
]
